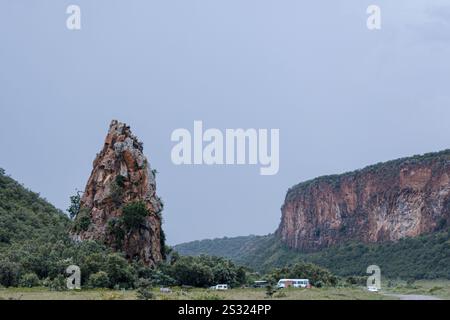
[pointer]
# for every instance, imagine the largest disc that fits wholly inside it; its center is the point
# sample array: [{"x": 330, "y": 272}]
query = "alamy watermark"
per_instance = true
[
  {"x": 74, "y": 278},
  {"x": 232, "y": 147},
  {"x": 374, "y": 19},
  {"x": 374, "y": 280},
  {"x": 73, "y": 22}
]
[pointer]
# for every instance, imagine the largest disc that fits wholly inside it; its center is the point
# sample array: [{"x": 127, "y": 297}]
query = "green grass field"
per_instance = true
[
  {"x": 192, "y": 294},
  {"x": 436, "y": 288}
]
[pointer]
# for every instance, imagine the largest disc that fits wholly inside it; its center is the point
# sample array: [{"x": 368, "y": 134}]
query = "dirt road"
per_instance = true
[{"x": 412, "y": 296}]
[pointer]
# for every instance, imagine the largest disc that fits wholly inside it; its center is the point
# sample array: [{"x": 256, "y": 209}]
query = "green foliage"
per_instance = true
[
  {"x": 120, "y": 272},
  {"x": 356, "y": 281},
  {"x": 134, "y": 214},
  {"x": 117, "y": 190},
  {"x": 35, "y": 244},
  {"x": 59, "y": 283},
  {"x": 204, "y": 271},
  {"x": 82, "y": 221},
  {"x": 9, "y": 273},
  {"x": 144, "y": 290},
  {"x": 270, "y": 291},
  {"x": 423, "y": 257},
  {"x": 99, "y": 280},
  {"x": 162, "y": 238},
  {"x": 114, "y": 227},
  {"x": 25, "y": 215},
  {"x": 120, "y": 181},
  {"x": 75, "y": 207},
  {"x": 145, "y": 294},
  {"x": 29, "y": 280}
]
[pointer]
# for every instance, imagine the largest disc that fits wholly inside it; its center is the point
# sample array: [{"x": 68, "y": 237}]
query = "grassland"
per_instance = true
[
  {"x": 193, "y": 294},
  {"x": 436, "y": 288}
]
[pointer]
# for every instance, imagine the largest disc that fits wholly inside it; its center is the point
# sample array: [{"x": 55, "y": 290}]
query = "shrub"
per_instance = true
[
  {"x": 29, "y": 280},
  {"x": 144, "y": 291},
  {"x": 120, "y": 272},
  {"x": 59, "y": 283},
  {"x": 116, "y": 190},
  {"x": 99, "y": 280},
  {"x": 145, "y": 294},
  {"x": 270, "y": 291},
  {"x": 82, "y": 221},
  {"x": 190, "y": 272},
  {"x": 114, "y": 228},
  {"x": 133, "y": 214}
]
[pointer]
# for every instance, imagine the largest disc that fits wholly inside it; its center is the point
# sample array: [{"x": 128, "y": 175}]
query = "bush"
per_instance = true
[
  {"x": 29, "y": 280},
  {"x": 120, "y": 272},
  {"x": 191, "y": 273},
  {"x": 144, "y": 291},
  {"x": 9, "y": 273},
  {"x": 116, "y": 190},
  {"x": 145, "y": 294},
  {"x": 99, "y": 280},
  {"x": 114, "y": 228},
  {"x": 82, "y": 221},
  {"x": 133, "y": 214},
  {"x": 59, "y": 283}
]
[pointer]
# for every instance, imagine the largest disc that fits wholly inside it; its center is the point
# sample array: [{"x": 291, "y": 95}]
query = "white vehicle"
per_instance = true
[
  {"x": 372, "y": 288},
  {"x": 221, "y": 287},
  {"x": 295, "y": 283}
]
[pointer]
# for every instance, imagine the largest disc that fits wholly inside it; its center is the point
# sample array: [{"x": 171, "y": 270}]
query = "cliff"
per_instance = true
[
  {"x": 119, "y": 206},
  {"x": 387, "y": 201}
]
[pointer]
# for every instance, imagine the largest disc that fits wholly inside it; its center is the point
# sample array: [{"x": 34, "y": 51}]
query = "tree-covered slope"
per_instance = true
[
  {"x": 25, "y": 216},
  {"x": 35, "y": 248},
  {"x": 423, "y": 257}
]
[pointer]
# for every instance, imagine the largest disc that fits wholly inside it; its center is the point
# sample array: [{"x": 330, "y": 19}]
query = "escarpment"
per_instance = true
[
  {"x": 119, "y": 206},
  {"x": 385, "y": 202}
]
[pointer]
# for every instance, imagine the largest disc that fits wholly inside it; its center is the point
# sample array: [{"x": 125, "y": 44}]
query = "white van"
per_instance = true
[
  {"x": 295, "y": 283},
  {"x": 221, "y": 287}
]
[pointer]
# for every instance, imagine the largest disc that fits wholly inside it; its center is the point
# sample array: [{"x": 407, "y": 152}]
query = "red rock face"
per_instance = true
[
  {"x": 397, "y": 199},
  {"x": 122, "y": 175}
]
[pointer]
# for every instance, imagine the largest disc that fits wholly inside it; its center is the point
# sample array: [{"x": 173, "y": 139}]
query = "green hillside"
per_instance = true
[
  {"x": 25, "y": 216},
  {"x": 424, "y": 257},
  {"x": 35, "y": 247}
]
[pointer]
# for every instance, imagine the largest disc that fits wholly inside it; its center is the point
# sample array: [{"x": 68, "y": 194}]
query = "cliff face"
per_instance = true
[
  {"x": 389, "y": 201},
  {"x": 122, "y": 176}
]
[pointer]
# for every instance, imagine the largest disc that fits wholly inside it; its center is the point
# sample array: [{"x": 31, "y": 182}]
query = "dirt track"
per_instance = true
[{"x": 412, "y": 296}]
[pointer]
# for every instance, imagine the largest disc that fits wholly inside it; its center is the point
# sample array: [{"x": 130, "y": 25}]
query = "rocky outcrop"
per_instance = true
[
  {"x": 388, "y": 201},
  {"x": 122, "y": 177}
]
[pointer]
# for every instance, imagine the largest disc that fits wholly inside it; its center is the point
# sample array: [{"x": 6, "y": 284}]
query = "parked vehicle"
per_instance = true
[
  {"x": 221, "y": 287},
  {"x": 295, "y": 283},
  {"x": 372, "y": 288}
]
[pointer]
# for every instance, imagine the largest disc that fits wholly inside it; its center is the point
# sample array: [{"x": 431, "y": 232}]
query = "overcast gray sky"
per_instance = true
[{"x": 342, "y": 96}]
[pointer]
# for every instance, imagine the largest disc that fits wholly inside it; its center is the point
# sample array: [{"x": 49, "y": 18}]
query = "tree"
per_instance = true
[
  {"x": 187, "y": 271},
  {"x": 75, "y": 205},
  {"x": 29, "y": 280},
  {"x": 9, "y": 273},
  {"x": 99, "y": 280}
]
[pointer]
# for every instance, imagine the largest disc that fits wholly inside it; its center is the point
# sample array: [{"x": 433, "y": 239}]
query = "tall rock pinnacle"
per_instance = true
[{"x": 119, "y": 206}]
